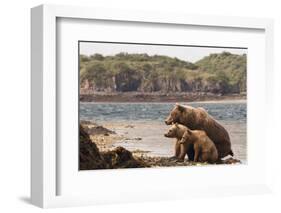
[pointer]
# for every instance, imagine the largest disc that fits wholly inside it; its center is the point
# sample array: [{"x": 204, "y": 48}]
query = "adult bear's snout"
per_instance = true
[{"x": 168, "y": 122}]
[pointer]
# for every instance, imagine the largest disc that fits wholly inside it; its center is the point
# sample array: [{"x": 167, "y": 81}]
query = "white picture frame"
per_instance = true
[{"x": 44, "y": 155}]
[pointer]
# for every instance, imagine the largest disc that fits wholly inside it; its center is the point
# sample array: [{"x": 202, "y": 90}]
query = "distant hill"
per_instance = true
[
  {"x": 223, "y": 73},
  {"x": 228, "y": 68}
]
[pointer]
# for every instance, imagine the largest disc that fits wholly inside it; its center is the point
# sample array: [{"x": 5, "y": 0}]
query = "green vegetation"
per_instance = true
[
  {"x": 228, "y": 68},
  {"x": 217, "y": 73}
]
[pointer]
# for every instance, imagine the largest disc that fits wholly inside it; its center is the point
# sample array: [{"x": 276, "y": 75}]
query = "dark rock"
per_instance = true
[
  {"x": 129, "y": 126},
  {"x": 122, "y": 158},
  {"x": 137, "y": 139},
  {"x": 91, "y": 158},
  {"x": 84, "y": 122},
  {"x": 99, "y": 130},
  {"x": 89, "y": 155},
  {"x": 230, "y": 161}
]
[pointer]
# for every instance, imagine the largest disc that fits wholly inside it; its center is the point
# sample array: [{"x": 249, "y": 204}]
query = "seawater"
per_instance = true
[{"x": 224, "y": 111}]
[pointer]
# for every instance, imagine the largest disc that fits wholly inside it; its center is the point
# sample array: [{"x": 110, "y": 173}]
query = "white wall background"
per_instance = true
[{"x": 15, "y": 104}]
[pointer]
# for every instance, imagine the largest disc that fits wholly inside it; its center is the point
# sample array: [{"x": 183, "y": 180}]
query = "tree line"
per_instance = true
[{"x": 220, "y": 73}]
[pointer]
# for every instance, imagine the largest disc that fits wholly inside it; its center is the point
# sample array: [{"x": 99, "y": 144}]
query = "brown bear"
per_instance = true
[
  {"x": 204, "y": 148},
  {"x": 177, "y": 131},
  {"x": 199, "y": 119}
]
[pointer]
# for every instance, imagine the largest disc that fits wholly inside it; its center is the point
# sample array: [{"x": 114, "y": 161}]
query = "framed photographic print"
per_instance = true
[{"x": 132, "y": 105}]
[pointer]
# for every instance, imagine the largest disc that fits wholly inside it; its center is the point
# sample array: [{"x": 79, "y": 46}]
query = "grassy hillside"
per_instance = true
[
  {"x": 229, "y": 67},
  {"x": 218, "y": 73}
]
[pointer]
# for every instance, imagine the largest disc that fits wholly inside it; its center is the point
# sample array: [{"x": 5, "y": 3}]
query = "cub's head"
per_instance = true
[
  {"x": 175, "y": 114},
  {"x": 187, "y": 136},
  {"x": 172, "y": 131},
  {"x": 175, "y": 131}
]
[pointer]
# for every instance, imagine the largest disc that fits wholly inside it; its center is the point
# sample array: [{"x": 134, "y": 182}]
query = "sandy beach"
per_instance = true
[{"x": 146, "y": 139}]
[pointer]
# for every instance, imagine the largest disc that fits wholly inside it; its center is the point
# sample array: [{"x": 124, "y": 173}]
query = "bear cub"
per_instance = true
[
  {"x": 204, "y": 148},
  {"x": 177, "y": 131}
]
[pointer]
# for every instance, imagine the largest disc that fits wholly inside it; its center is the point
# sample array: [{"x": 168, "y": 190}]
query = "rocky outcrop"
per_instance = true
[
  {"x": 98, "y": 130},
  {"x": 89, "y": 155},
  {"x": 91, "y": 158},
  {"x": 122, "y": 158}
]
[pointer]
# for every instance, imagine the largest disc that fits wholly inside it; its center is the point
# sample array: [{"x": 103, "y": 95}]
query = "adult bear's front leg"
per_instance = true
[
  {"x": 190, "y": 152},
  {"x": 196, "y": 153}
]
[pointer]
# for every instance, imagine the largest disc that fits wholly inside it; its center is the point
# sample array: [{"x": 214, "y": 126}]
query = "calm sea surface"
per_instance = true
[{"x": 149, "y": 120}]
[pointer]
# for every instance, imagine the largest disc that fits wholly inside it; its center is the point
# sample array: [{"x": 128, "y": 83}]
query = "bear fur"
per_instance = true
[
  {"x": 199, "y": 119},
  {"x": 204, "y": 148},
  {"x": 177, "y": 131}
]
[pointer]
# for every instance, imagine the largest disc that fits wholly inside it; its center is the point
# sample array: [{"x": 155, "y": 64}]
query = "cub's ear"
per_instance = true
[
  {"x": 176, "y": 124},
  {"x": 180, "y": 107}
]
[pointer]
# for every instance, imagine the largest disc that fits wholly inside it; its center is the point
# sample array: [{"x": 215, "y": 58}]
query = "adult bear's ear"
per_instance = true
[{"x": 180, "y": 107}]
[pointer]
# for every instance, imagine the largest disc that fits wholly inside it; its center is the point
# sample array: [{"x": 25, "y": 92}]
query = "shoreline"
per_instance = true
[
  {"x": 157, "y": 97},
  {"x": 238, "y": 101},
  {"x": 103, "y": 154}
]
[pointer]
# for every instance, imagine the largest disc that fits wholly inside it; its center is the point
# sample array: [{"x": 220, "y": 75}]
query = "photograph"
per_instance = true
[
  {"x": 132, "y": 106},
  {"x": 148, "y": 105}
]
